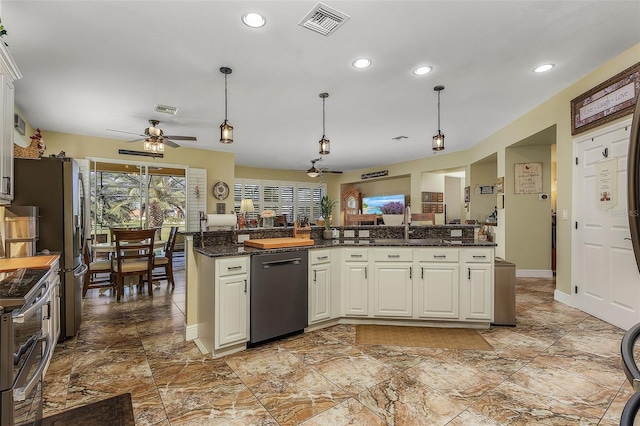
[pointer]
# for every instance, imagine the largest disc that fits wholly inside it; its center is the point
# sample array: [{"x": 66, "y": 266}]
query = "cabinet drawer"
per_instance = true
[
  {"x": 351, "y": 254},
  {"x": 478, "y": 255},
  {"x": 233, "y": 266},
  {"x": 319, "y": 256},
  {"x": 438, "y": 255},
  {"x": 393, "y": 255}
]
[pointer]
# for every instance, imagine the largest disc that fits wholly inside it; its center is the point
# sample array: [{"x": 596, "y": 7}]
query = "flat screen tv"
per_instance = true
[{"x": 373, "y": 204}]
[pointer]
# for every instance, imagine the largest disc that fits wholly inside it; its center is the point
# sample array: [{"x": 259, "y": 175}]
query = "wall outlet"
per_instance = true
[
  {"x": 456, "y": 232},
  {"x": 363, "y": 233},
  {"x": 349, "y": 233},
  {"x": 243, "y": 237}
]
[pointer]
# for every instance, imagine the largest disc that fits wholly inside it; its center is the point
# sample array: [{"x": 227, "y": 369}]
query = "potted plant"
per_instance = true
[
  {"x": 326, "y": 206},
  {"x": 392, "y": 213}
]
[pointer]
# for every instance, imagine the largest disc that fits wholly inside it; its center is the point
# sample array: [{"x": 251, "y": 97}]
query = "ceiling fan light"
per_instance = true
[
  {"x": 313, "y": 172},
  {"x": 160, "y": 146},
  {"x": 325, "y": 146},
  {"x": 226, "y": 133},
  {"x": 147, "y": 145}
]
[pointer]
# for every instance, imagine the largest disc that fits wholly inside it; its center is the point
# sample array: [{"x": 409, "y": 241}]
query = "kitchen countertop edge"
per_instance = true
[{"x": 240, "y": 250}]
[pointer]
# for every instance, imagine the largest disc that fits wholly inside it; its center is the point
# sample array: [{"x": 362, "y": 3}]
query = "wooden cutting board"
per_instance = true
[
  {"x": 270, "y": 243},
  {"x": 34, "y": 262}
]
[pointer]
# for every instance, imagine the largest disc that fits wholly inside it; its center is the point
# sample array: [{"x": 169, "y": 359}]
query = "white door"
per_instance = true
[
  {"x": 438, "y": 289},
  {"x": 393, "y": 290},
  {"x": 320, "y": 293},
  {"x": 356, "y": 289},
  {"x": 606, "y": 282}
]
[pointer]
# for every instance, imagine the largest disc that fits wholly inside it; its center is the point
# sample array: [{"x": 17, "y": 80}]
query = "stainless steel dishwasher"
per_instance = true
[{"x": 279, "y": 295}]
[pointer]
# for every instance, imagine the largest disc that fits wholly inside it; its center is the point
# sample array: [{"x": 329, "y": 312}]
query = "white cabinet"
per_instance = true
[
  {"x": 319, "y": 285},
  {"x": 8, "y": 74},
  {"x": 392, "y": 282},
  {"x": 438, "y": 283},
  {"x": 356, "y": 282},
  {"x": 223, "y": 304},
  {"x": 477, "y": 285}
]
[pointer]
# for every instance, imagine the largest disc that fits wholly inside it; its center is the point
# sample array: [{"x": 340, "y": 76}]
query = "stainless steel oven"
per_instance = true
[{"x": 25, "y": 348}]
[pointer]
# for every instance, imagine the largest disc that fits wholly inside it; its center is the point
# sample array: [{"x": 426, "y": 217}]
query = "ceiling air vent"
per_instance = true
[
  {"x": 323, "y": 19},
  {"x": 166, "y": 109}
]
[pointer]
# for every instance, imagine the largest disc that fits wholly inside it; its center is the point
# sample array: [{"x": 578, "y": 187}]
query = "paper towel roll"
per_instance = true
[{"x": 221, "y": 220}]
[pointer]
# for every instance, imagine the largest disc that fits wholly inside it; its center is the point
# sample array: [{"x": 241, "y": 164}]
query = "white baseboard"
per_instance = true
[
  {"x": 190, "y": 332},
  {"x": 534, "y": 273},
  {"x": 563, "y": 297}
]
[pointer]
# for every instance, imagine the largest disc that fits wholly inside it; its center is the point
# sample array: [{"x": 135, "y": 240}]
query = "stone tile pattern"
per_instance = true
[{"x": 558, "y": 366}]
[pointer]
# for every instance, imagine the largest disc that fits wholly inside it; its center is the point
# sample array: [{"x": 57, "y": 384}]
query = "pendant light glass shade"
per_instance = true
[
  {"x": 153, "y": 145},
  {"x": 324, "y": 143},
  {"x": 438, "y": 139},
  {"x": 226, "y": 130}
]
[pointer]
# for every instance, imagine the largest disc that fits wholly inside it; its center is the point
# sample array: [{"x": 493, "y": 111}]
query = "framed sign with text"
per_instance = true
[
  {"x": 528, "y": 178},
  {"x": 606, "y": 102}
]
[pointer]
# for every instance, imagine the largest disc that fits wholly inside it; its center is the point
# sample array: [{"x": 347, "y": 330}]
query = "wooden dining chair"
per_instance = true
[
  {"x": 424, "y": 217},
  {"x": 133, "y": 257},
  {"x": 165, "y": 262},
  {"x": 99, "y": 274}
]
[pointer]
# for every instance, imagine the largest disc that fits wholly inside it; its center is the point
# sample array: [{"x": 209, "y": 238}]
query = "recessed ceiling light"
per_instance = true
[
  {"x": 422, "y": 70},
  {"x": 253, "y": 20},
  {"x": 362, "y": 63},
  {"x": 543, "y": 68}
]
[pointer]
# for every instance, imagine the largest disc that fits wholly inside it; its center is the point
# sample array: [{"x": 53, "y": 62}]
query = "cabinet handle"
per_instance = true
[
  {"x": 6, "y": 187},
  {"x": 469, "y": 273},
  {"x": 410, "y": 272},
  {"x": 422, "y": 273},
  {"x": 393, "y": 256},
  {"x": 322, "y": 257},
  {"x": 479, "y": 257},
  {"x": 365, "y": 272},
  {"x": 439, "y": 256},
  {"x": 356, "y": 255},
  {"x": 233, "y": 268},
  {"x": 314, "y": 275},
  {"x": 245, "y": 285}
]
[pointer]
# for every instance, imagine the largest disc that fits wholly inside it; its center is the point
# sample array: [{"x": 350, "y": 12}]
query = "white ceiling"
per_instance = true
[{"x": 93, "y": 65}]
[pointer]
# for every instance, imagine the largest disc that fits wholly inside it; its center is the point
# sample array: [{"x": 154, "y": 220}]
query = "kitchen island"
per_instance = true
[{"x": 440, "y": 276}]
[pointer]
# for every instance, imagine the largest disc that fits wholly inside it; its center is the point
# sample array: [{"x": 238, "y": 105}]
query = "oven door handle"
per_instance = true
[
  {"x": 26, "y": 312},
  {"x": 20, "y": 394}
]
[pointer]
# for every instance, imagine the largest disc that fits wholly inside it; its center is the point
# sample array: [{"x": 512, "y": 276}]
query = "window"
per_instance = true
[{"x": 293, "y": 199}]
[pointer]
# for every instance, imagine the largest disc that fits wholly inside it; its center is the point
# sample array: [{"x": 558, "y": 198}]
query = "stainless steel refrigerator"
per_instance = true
[{"x": 54, "y": 185}]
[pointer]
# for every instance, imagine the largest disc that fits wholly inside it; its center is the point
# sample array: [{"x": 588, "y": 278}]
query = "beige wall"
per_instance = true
[
  {"x": 528, "y": 219},
  {"x": 483, "y": 173}
]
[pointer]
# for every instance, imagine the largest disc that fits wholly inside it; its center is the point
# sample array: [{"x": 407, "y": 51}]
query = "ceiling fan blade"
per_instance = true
[
  {"x": 182, "y": 138},
  {"x": 129, "y": 133},
  {"x": 331, "y": 171},
  {"x": 170, "y": 143}
]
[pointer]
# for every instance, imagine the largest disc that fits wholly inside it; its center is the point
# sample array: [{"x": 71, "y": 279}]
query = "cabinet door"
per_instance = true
[
  {"x": 393, "y": 290},
  {"x": 356, "y": 284},
  {"x": 478, "y": 291},
  {"x": 438, "y": 291},
  {"x": 320, "y": 293},
  {"x": 6, "y": 145},
  {"x": 231, "y": 310}
]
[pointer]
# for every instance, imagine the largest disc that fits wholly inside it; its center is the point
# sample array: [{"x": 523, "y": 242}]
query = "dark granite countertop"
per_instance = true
[{"x": 226, "y": 250}]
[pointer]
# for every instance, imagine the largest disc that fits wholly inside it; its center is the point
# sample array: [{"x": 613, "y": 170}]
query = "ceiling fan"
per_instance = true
[
  {"x": 317, "y": 171},
  {"x": 153, "y": 136}
]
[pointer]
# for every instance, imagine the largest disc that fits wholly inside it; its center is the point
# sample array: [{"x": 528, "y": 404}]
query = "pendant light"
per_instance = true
[
  {"x": 226, "y": 130},
  {"x": 438, "y": 139},
  {"x": 324, "y": 142}
]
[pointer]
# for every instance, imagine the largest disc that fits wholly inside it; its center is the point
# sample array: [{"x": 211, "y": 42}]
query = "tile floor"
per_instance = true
[{"x": 559, "y": 366}]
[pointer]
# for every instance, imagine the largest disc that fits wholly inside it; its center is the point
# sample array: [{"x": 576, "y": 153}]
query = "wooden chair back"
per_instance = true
[
  {"x": 423, "y": 217},
  {"x": 357, "y": 219},
  {"x": 133, "y": 256}
]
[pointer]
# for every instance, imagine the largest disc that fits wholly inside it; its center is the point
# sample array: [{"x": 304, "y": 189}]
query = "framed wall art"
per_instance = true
[
  {"x": 528, "y": 178},
  {"x": 606, "y": 102}
]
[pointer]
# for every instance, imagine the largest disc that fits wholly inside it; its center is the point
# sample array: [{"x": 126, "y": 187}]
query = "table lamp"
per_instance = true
[{"x": 246, "y": 205}]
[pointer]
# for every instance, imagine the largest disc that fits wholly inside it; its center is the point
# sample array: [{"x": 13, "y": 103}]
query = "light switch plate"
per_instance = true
[
  {"x": 363, "y": 233},
  {"x": 243, "y": 237},
  {"x": 349, "y": 233},
  {"x": 456, "y": 232}
]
